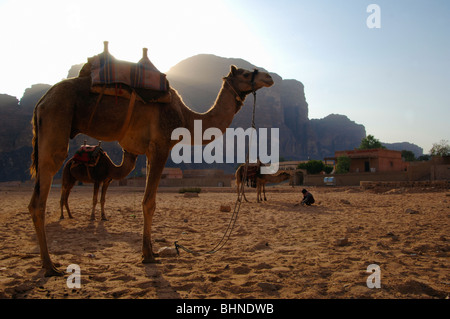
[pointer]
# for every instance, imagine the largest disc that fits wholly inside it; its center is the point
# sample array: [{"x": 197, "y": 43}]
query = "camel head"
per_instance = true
[{"x": 244, "y": 82}]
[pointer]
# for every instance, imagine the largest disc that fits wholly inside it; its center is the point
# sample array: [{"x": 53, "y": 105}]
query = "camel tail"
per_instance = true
[{"x": 34, "y": 154}]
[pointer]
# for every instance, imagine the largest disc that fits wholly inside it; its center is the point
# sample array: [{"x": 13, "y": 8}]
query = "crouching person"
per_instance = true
[{"x": 308, "y": 198}]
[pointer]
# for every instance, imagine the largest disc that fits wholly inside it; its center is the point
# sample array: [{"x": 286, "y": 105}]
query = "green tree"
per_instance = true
[
  {"x": 328, "y": 169},
  {"x": 440, "y": 149},
  {"x": 343, "y": 164},
  {"x": 408, "y": 156},
  {"x": 370, "y": 142},
  {"x": 425, "y": 157},
  {"x": 312, "y": 166}
]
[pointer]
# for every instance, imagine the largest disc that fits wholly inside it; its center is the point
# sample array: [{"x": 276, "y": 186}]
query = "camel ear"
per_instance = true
[{"x": 233, "y": 69}]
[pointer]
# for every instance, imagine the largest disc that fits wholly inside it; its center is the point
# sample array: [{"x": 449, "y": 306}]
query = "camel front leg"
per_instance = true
[
  {"x": 94, "y": 199},
  {"x": 156, "y": 160},
  {"x": 264, "y": 191},
  {"x": 238, "y": 187},
  {"x": 103, "y": 198},
  {"x": 243, "y": 193},
  {"x": 258, "y": 191}
]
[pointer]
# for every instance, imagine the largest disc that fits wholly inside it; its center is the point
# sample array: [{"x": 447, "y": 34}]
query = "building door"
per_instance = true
[{"x": 366, "y": 166}]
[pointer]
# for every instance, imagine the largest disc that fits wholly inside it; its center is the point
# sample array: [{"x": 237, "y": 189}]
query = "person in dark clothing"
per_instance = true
[{"x": 308, "y": 198}]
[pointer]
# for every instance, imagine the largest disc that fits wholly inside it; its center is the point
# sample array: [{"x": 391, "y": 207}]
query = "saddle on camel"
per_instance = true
[
  {"x": 140, "y": 80},
  {"x": 253, "y": 172},
  {"x": 88, "y": 154},
  {"x": 134, "y": 81}
]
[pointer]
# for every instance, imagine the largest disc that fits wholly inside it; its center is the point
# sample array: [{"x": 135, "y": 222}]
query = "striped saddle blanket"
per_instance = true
[
  {"x": 105, "y": 69},
  {"x": 121, "y": 78}
]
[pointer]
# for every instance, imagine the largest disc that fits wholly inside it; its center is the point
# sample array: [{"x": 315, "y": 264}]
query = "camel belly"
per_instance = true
[{"x": 106, "y": 121}]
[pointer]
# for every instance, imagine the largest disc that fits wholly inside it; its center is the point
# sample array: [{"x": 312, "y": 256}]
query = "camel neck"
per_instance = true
[
  {"x": 126, "y": 166},
  {"x": 220, "y": 115}
]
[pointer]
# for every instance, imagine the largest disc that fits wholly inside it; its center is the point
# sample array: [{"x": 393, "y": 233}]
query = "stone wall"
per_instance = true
[{"x": 354, "y": 179}]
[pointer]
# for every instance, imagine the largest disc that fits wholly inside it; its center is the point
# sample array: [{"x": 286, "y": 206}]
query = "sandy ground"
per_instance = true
[{"x": 276, "y": 250}]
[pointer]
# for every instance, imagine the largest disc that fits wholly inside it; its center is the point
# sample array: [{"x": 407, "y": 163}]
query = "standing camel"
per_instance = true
[
  {"x": 68, "y": 108},
  {"x": 262, "y": 180},
  {"x": 102, "y": 173},
  {"x": 252, "y": 173},
  {"x": 252, "y": 170}
]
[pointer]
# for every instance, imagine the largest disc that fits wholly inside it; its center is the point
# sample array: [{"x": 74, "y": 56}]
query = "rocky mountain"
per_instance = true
[
  {"x": 336, "y": 132},
  {"x": 198, "y": 80},
  {"x": 418, "y": 151},
  {"x": 284, "y": 106}
]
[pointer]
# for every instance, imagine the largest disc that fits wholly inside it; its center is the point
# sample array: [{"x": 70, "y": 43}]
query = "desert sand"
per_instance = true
[{"x": 276, "y": 250}]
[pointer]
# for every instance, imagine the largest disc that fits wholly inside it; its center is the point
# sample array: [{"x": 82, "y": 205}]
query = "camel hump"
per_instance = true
[{"x": 88, "y": 155}]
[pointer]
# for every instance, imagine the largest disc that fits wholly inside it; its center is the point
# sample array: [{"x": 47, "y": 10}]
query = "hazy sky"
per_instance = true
[{"x": 395, "y": 80}]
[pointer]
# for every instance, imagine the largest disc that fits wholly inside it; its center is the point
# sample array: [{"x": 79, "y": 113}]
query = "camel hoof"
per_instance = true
[
  {"x": 53, "y": 272},
  {"x": 151, "y": 260}
]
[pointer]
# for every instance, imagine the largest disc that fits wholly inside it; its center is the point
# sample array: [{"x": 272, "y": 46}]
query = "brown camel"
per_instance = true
[
  {"x": 102, "y": 173},
  {"x": 262, "y": 180},
  {"x": 66, "y": 109},
  {"x": 252, "y": 172}
]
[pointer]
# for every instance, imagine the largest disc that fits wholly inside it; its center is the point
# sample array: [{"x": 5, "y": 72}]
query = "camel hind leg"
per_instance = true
[
  {"x": 50, "y": 144},
  {"x": 94, "y": 199},
  {"x": 68, "y": 181},
  {"x": 47, "y": 168},
  {"x": 64, "y": 201},
  {"x": 238, "y": 188},
  {"x": 103, "y": 197},
  {"x": 260, "y": 188}
]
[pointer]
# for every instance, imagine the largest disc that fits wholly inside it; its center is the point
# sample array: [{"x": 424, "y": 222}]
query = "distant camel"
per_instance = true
[
  {"x": 263, "y": 179},
  {"x": 103, "y": 172},
  {"x": 252, "y": 171}
]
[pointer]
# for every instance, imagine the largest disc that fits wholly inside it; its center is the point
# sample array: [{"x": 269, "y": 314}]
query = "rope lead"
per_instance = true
[{"x": 237, "y": 205}]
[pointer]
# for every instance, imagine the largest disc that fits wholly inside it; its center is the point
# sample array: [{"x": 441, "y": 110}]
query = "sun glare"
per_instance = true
[
  {"x": 170, "y": 35},
  {"x": 59, "y": 34}
]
